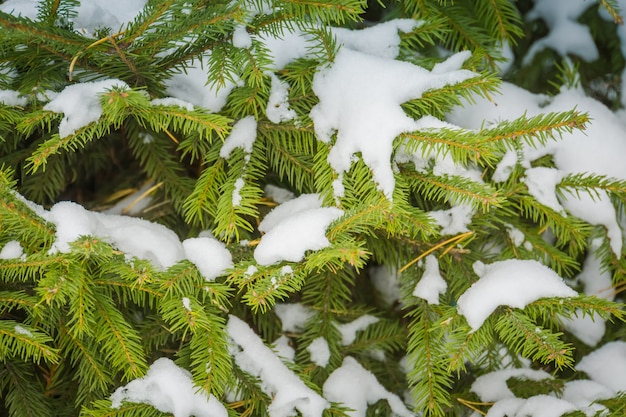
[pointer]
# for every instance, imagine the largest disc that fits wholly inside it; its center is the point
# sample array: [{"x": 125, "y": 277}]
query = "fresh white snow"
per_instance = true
[
  {"x": 354, "y": 120},
  {"x": 319, "y": 351},
  {"x": 492, "y": 387},
  {"x": 360, "y": 97},
  {"x": 515, "y": 283},
  {"x": 287, "y": 391},
  {"x": 242, "y": 136},
  {"x": 293, "y": 316},
  {"x": 349, "y": 330},
  {"x": 209, "y": 255},
  {"x": 606, "y": 365},
  {"x": 356, "y": 388},
  {"x": 80, "y": 104},
  {"x": 431, "y": 285},
  {"x": 293, "y": 228},
  {"x": 169, "y": 389},
  {"x": 12, "y": 250}
]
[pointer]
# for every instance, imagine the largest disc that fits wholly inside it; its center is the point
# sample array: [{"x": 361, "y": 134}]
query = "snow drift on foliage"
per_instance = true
[
  {"x": 598, "y": 149},
  {"x": 80, "y": 104},
  {"x": 341, "y": 387},
  {"x": 169, "y": 389},
  {"x": 135, "y": 237},
  {"x": 287, "y": 391},
  {"x": 515, "y": 283},
  {"x": 294, "y": 227},
  {"x": 359, "y": 100}
]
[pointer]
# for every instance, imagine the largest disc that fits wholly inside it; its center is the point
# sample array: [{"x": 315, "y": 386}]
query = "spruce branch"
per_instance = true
[{"x": 525, "y": 337}]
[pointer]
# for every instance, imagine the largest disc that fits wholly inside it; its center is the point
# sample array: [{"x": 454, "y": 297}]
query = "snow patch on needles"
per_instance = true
[
  {"x": 606, "y": 365},
  {"x": 348, "y": 330},
  {"x": 319, "y": 351},
  {"x": 360, "y": 97},
  {"x": 293, "y": 316},
  {"x": 599, "y": 149},
  {"x": 431, "y": 285},
  {"x": 356, "y": 388},
  {"x": 514, "y": 283},
  {"x": 294, "y": 227},
  {"x": 241, "y": 136},
  {"x": 12, "y": 98},
  {"x": 80, "y": 103},
  {"x": 288, "y": 391},
  {"x": 169, "y": 389},
  {"x": 209, "y": 255},
  {"x": 278, "y": 110},
  {"x": 493, "y": 387}
]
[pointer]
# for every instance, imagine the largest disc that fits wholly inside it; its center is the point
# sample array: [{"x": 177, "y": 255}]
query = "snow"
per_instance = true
[
  {"x": 566, "y": 35},
  {"x": 171, "y": 101},
  {"x": 187, "y": 304},
  {"x": 545, "y": 406},
  {"x": 431, "y": 285},
  {"x": 278, "y": 194},
  {"x": 23, "y": 8},
  {"x": 505, "y": 167},
  {"x": 287, "y": 391},
  {"x": 493, "y": 387},
  {"x": 114, "y": 14},
  {"x": 293, "y": 316},
  {"x": 586, "y": 328},
  {"x": 284, "y": 350},
  {"x": 515, "y": 283},
  {"x": 169, "y": 389},
  {"x": 359, "y": 100},
  {"x": 191, "y": 86},
  {"x": 453, "y": 220},
  {"x": 517, "y": 236},
  {"x": 596, "y": 279},
  {"x": 209, "y": 255},
  {"x": 80, "y": 104},
  {"x": 355, "y": 120},
  {"x": 583, "y": 394},
  {"x": 241, "y": 38},
  {"x": 22, "y": 331},
  {"x": 12, "y": 98},
  {"x": 348, "y": 330},
  {"x": 380, "y": 40},
  {"x": 356, "y": 388},
  {"x": 598, "y": 149},
  {"x": 541, "y": 183},
  {"x": 606, "y": 365},
  {"x": 134, "y": 236},
  {"x": 12, "y": 250},
  {"x": 293, "y": 228},
  {"x": 278, "y": 110},
  {"x": 319, "y": 351},
  {"x": 236, "y": 198},
  {"x": 242, "y": 136}
]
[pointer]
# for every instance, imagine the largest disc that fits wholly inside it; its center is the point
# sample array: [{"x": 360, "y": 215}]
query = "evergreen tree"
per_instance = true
[{"x": 83, "y": 316}]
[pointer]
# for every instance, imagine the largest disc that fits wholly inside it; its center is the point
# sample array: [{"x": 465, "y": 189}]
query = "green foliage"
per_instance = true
[{"x": 76, "y": 324}]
